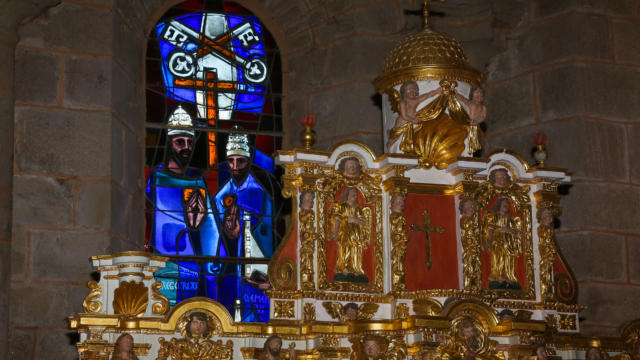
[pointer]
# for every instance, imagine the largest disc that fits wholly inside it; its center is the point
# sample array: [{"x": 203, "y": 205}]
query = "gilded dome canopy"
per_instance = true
[{"x": 427, "y": 55}]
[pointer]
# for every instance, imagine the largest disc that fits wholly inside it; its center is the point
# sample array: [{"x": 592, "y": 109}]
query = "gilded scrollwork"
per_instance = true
[
  {"x": 162, "y": 305},
  {"x": 470, "y": 238},
  {"x": 399, "y": 239},
  {"x": 350, "y": 173},
  {"x": 547, "y": 249},
  {"x": 307, "y": 240},
  {"x": 91, "y": 304},
  {"x": 131, "y": 299}
]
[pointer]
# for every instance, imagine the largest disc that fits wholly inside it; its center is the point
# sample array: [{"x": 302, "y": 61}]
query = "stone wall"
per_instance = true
[
  {"x": 73, "y": 108},
  {"x": 571, "y": 69}
]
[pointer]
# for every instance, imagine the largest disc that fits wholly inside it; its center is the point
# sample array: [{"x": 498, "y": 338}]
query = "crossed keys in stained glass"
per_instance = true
[{"x": 183, "y": 64}]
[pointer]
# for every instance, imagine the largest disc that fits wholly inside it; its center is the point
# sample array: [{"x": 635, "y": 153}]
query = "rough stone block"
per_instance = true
[
  {"x": 309, "y": 19},
  {"x": 21, "y": 344},
  {"x": 338, "y": 6},
  {"x": 307, "y": 71},
  {"x": 127, "y": 102},
  {"x": 121, "y": 211},
  {"x": 93, "y": 206},
  {"x": 625, "y": 39},
  {"x": 382, "y": 18},
  {"x": 608, "y": 305},
  {"x": 580, "y": 248},
  {"x": 291, "y": 13},
  {"x": 585, "y": 147},
  {"x": 346, "y": 110},
  {"x": 602, "y": 206},
  {"x": 133, "y": 176},
  {"x": 459, "y": 11},
  {"x": 510, "y": 104},
  {"x": 128, "y": 48},
  {"x": 133, "y": 12},
  {"x": 5, "y": 212},
  {"x": 38, "y": 74},
  {"x": 509, "y": 14},
  {"x": 64, "y": 255},
  {"x": 7, "y": 56},
  {"x": 592, "y": 89},
  {"x": 542, "y": 8},
  {"x": 63, "y": 142},
  {"x": 295, "y": 109},
  {"x": 358, "y": 58},
  {"x": 301, "y": 40},
  {"x": 70, "y": 27},
  {"x": 582, "y": 36},
  {"x": 88, "y": 82},
  {"x": 464, "y": 32},
  {"x": 19, "y": 253},
  {"x": 5, "y": 268},
  {"x": 480, "y": 53},
  {"x": 42, "y": 201},
  {"x": 6, "y": 139},
  {"x": 634, "y": 254},
  {"x": 633, "y": 132},
  {"x": 44, "y": 305},
  {"x": 56, "y": 344}
]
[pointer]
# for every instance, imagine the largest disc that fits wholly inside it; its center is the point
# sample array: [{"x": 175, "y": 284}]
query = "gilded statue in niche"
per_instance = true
[
  {"x": 273, "y": 347},
  {"x": 399, "y": 240},
  {"x": 504, "y": 215},
  {"x": 307, "y": 239},
  {"x": 196, "y": 329},
  {"x": 548, "y": 250},
  {"x": 470, "y": 237},
  {"x": 350, "y": 226},
  {"x": 123, "y": 349},
  {"x": 502, "y": 237}
]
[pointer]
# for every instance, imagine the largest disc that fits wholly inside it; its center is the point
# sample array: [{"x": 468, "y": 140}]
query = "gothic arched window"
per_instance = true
[{"x": 213, "y": 93}]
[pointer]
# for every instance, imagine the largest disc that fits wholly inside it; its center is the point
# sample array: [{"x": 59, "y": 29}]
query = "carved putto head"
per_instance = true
[
  {"x": 196, "y": 324},
  {"x": 500, "y": 177},
  {"x": 350, "y": 167},
  {"x": 467, "y": 206}
]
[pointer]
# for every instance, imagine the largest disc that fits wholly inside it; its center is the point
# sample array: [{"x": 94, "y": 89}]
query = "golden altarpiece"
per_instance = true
[{"x": 426, "y": 250}]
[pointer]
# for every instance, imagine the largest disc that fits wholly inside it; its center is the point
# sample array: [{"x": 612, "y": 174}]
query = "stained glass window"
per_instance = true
[{"x": 213, "y": 125}]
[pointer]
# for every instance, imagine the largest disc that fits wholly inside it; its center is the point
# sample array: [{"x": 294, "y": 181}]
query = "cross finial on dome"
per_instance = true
[{"x": 425, "y": 12}]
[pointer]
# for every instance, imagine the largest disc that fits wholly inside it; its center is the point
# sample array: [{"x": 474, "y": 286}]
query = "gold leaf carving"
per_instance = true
[
  {"x": 90, "y": 303},
  {"x": 426, "y": 307},
  {"x": 402, "y": 311},
  {"x": 162, "y": 306},
  {"x": 309, "y": 311},
  {"x": 186, "y": 349},
  {"x": 283, "y": 309},
  {"x": 307, "y": 241},
  {"x": 131, "y": 299}
]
